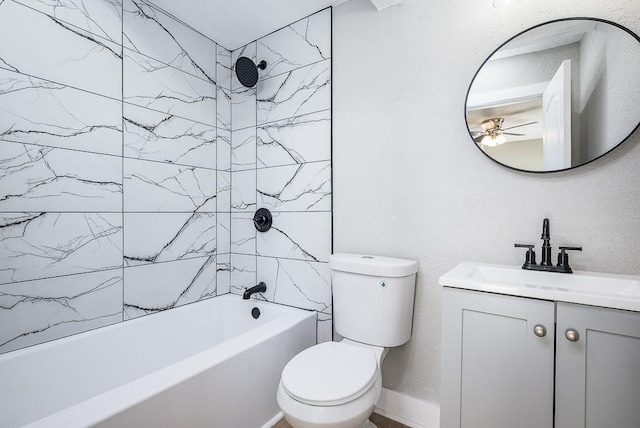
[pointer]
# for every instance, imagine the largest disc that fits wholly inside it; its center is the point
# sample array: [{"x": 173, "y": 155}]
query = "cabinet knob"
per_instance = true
[
  {"x": 540, "y": 330},
  {"x": 571, "y": 335}
]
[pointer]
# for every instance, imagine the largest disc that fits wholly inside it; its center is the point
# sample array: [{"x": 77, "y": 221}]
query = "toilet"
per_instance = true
[{"x": 337, "y": 384}]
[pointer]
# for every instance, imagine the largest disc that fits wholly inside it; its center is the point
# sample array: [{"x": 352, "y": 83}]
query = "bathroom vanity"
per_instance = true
[{"x": 538, "y": 349}]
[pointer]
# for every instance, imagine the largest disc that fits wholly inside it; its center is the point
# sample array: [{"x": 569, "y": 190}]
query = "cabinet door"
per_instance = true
[
  {"x": 598, "y": 374},
  {"x": 496, "y": 373}
]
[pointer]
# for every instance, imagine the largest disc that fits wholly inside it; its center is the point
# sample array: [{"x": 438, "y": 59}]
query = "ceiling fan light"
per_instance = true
[
  {"x": 488, "y": 141},
  {"x": 493, "y": 140}
]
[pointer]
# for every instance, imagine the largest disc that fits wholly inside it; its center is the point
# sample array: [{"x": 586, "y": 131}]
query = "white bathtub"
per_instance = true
[{"x": 208, "y": 364}]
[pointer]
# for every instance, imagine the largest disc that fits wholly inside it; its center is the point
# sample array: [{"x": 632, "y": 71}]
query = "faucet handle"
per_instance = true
[
  {"x": 563, "y": 257},
  {"x": 530, "y": 257},
  {"x": 570, "y": 248}
]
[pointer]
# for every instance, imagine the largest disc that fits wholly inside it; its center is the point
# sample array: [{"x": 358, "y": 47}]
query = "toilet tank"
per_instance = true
[{"x": 373, "y": 298}]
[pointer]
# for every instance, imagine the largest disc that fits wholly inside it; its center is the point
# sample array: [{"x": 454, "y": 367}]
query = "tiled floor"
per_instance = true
[{"x": 379, "y": 421}]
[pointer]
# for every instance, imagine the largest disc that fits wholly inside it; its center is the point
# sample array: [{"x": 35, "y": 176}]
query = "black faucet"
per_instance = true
[
  {"x": 546, "y": 264},
  {"x": 260, "y": 288},
  {"x": 546, "y": 246}
]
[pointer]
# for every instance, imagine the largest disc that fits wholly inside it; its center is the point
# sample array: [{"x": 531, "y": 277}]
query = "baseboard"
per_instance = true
[
  {"x": 408, "y": 410},
  {"x": 274, "y": 420}
]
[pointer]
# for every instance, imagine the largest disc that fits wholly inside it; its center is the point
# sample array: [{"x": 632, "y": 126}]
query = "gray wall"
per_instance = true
[{"x": 412, "y": 183}]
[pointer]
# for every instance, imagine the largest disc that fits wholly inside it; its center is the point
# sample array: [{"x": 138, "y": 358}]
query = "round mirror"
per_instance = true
[{"x": 557, "y": 96}]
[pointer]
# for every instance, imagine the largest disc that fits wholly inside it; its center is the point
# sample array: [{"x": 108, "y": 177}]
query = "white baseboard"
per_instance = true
[
  {"x": 408, "y": 410},
  {"x": 273, "y": 420}
]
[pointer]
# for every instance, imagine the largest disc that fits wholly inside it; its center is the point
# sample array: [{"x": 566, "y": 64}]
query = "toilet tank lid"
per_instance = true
[{"x": 372, "y": 265}]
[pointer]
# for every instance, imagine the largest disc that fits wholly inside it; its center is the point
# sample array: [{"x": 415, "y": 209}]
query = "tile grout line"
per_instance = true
[
  {"x": 331, "y": 156},
  {"x": 111, "y": 155},
  {"x": 217, "y": 219},
  {"x": 122, "y": 168},
  {"x": 255, "y": 170}
]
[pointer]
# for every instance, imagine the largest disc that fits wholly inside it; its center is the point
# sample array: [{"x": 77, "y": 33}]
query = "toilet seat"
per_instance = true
[{"x": 330, "y": 374}]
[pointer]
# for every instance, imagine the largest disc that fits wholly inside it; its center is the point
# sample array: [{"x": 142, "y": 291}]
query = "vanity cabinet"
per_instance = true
[
  {"x": 496, "y": 373},
  {"x": 509, "y": 361},
  {"x": 597, "y": 376}
]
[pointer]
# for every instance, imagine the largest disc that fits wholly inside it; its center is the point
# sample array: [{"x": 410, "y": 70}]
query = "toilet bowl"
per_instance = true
[
  {"x": 331, "y": 385},
  {"x": 337, "y": 384}
]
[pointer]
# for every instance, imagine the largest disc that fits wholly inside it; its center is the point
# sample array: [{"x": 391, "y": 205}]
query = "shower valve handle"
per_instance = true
[{"x": 262, "y": 220}]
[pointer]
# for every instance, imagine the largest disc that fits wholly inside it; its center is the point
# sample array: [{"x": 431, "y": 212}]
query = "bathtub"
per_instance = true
[{"x": 207, "y": 364}]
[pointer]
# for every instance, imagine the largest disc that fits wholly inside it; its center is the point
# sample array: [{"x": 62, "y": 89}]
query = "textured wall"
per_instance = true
[
  {"x": 410, "y": 182},
  {"x": 281, "y": 160},
  {"x": 108, "y": 147}
]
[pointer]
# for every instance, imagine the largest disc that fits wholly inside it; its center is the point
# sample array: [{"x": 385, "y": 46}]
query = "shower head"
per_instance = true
[{"x": 247, "y": 71}]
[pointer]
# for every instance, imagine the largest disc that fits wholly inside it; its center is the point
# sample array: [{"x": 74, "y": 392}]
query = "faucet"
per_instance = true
[
  {"x": 546, "y": 246},
  {"x": 260, "y": 288},
  {"x": 546, "y": 264}
]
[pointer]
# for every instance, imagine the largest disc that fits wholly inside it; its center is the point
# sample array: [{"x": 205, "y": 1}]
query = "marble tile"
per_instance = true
[
  {"x": 152, "y": 84},
  {"x": 296, "y": 140},
  {"x": 158, "y": 287},
  {"x": 305, "y": 187},
  {"x": 223, "y": 277},
  {"x": 243, "y": 234},
  {"x": 301, "y": 91},
  {"x": 223, "y": 99},
  {"x": 150, "y": 32},
  {"x": 243, "y": 273},
  {"x": 39, "y": 112},
  {"x": 248, "y": 51},
  {"x": 243, "y": 149},
  {"x": 102, "y": 18},
  {"x": 243, "y": 108},
  {"x": 37, "y": 311},
  {"x": 157, "y": 187},
  {"x": 324, "y": 328},
  {"x": 163, "y": 237},
  {"x": 243, "y": 191},
  {"x": 163, "y": 137},
  {"x": 223, "y": 231},
  {"x": 296, "y": 283},
  {"x": 299, "y": 236},
  {"x": 223, "y": 146},
  {"x": 302, "y": 43},
  {"x": 58, "y": 52},
  {"x": 223, "y": 68},
  {"x": 224, "y": 88},
  {"x": 41, "y": 245},
  {"x": 36, "y": 178},
  {"x": 224, "y": 191}
]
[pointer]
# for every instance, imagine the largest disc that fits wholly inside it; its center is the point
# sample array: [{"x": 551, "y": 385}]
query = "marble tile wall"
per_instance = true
[
  {"x": 281, "y": 160},
  {"x": 125, "y": 186},
  {"x": 115, "y": 166}
]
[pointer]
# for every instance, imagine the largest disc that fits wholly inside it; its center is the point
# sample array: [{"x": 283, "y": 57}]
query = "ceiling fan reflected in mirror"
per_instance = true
[{"x": 493, "y": 134}]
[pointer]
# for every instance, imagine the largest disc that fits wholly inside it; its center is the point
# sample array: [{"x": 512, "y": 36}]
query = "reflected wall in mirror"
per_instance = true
[{"x": 557, "y": 96}]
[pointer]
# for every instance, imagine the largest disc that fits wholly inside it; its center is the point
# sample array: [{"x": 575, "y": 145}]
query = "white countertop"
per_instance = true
[{"x": 588, "y": 288}]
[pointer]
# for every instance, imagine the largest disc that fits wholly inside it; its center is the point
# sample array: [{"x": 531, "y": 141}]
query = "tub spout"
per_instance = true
[{"x": 260, "y": 288}]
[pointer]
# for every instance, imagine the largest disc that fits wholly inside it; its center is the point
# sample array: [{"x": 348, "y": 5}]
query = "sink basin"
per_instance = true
[{"x": 590, "y": 288}]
